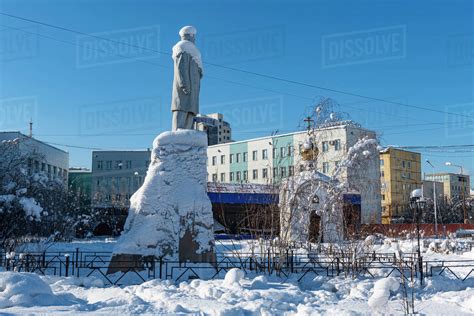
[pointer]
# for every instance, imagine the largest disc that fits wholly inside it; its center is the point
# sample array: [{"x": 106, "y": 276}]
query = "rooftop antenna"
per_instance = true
[{"x": 31, "y": 128}]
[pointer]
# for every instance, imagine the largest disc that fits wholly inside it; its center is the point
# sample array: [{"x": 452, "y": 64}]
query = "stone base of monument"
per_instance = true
[{"x": 170, "y": 216}]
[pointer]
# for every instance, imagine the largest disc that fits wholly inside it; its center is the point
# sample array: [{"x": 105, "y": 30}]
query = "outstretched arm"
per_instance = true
[{"x": 183, "y": 73}]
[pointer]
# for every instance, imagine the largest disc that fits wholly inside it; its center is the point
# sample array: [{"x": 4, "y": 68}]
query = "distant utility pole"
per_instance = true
[
  {"x": 31, "y": 128},
  {"x": 434, "y": 199},
  {"x": 308, "y": 120}
]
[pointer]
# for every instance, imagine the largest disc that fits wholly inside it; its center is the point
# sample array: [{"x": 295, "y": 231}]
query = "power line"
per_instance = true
[
  {"x": 152, "y": 63},
  {"x": 437, "y": 146},
  {"x": 245, "y": 71},
  {"x": 212, "y": 77}
]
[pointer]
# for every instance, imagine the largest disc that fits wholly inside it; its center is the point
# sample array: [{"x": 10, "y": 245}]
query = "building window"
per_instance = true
[
  {"x": 237, "y": 158},
  {"x": 231, "y": 158},
  {"x": 382, "y": 173},
  {"x": 274, "y": 153},
  {"x": 254, "y": 155},
  {"x": 100, "y": 164},
  {"x": 291, "y": 170},
  {"x": 237, "y": 176},
  {"x": 282, "y": 152},
  {"x": 231, "y": 176},
  {"x": 291, "y": 149},
  {"x": 214, "y": 177},
  {"x": 255, "y": 174},
  {"x": 264, "y": 173},
  {"x": 283, "y": 172},
  {"x": 337, "y": 144},
  {"x": 244, "y": 157},
  {"x": 409, "y": 164},
  {"x": 381, "y": 162},
  {"x": 264, "y": 154},
  {"x": 325, "y": 146},
  {"x": 214, "y": 160},
  {"x": 326, "y": 167},
  {"x": 108, "y": 164},
  {"x": 246, "y": 177},
  {"x": 383, "y": 197},
  {"x": 222, "y": 177},
  {"x": 222, "y": 159},
  {"x": 275, "y": 172},
  {"x": 128, "y": 164},
  {"x": 403, "y": 163}
]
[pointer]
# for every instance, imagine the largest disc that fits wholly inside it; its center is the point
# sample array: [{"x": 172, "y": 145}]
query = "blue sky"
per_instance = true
[{"x": 417, "y": 53}]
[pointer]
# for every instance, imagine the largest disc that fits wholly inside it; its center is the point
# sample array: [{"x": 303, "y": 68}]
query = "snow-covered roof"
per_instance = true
[{"x": 10, "y": 135}]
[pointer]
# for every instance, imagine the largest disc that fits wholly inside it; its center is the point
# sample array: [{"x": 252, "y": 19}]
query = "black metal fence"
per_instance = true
[{"x": 284, "y": 265}]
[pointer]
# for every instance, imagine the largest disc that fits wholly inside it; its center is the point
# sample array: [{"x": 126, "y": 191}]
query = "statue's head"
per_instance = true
[{"x": 188, "y": 33}]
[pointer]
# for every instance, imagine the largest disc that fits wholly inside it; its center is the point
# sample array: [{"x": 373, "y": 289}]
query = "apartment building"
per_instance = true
[
  {"x": 456, "y": 186},
  {"x": 267, "y": 160},
  {"x": 54, "y": 162},
  {"x": 400, "y": 174},
  {"x": 116, "y": 175},
  {"x": 218, "y": 131}
]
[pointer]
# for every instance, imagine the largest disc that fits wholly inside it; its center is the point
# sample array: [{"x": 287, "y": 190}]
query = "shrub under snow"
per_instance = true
[
  {"x": 28, "y": 289},
  {"x": 382, "y": 289},
  {"x": 233, "y": 277}
]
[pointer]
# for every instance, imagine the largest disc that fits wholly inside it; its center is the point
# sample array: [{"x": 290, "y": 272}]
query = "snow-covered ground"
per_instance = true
[{"x": 238, "y": 294}]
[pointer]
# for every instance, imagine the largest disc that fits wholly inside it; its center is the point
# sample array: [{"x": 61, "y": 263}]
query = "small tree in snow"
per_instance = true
[{"x": 31, "y": 203}]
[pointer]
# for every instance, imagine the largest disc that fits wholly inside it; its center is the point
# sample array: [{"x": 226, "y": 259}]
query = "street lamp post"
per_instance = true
[
  {"x": 463, "y": 188},
  {"x": 435, "y": 198},
  {"x": 418, "y": 204}
]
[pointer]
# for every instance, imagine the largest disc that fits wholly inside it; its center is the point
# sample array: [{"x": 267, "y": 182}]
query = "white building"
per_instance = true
[
  {"x": 267, "y": 160},
  {"x": 218, "y": 131},
  {"x": 50, "y": 160},
  {"x": 455, "y": 186}
]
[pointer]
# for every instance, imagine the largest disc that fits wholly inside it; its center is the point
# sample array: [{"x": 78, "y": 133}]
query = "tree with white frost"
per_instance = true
[{"x": 31, "y": 203}]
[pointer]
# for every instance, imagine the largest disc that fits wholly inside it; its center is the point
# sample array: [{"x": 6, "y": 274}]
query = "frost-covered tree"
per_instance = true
[{"x": 31, "y": 202}]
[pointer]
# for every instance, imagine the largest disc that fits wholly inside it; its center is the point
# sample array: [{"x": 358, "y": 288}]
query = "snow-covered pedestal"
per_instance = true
[{"x": 170, "y": 216}]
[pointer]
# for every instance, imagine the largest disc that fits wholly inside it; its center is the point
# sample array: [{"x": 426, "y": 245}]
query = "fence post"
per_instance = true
[
  {"x": 337, "y": 266},
  {"x": 292, "y": 261},
  {"x": 67, "y": 265},
  {"x": 161, "y": 267},
  {"x": 43, "y": 260},
  {"x": 269, "y": 261},
  {"x": 420, "y": 263},
  {"x": 77, "y": 256}
]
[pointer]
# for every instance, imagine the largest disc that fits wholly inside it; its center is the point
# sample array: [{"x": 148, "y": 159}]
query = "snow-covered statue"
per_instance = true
[
  {"x": 170, "y": 216},
  {"x": 187, "y": 80}
]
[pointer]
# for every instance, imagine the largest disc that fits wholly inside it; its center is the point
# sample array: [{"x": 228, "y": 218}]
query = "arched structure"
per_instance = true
[{"x": 304, "y": 198}]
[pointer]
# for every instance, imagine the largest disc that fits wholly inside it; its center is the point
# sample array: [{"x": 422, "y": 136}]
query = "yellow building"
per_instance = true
[{"x": 400, "y": 173}]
